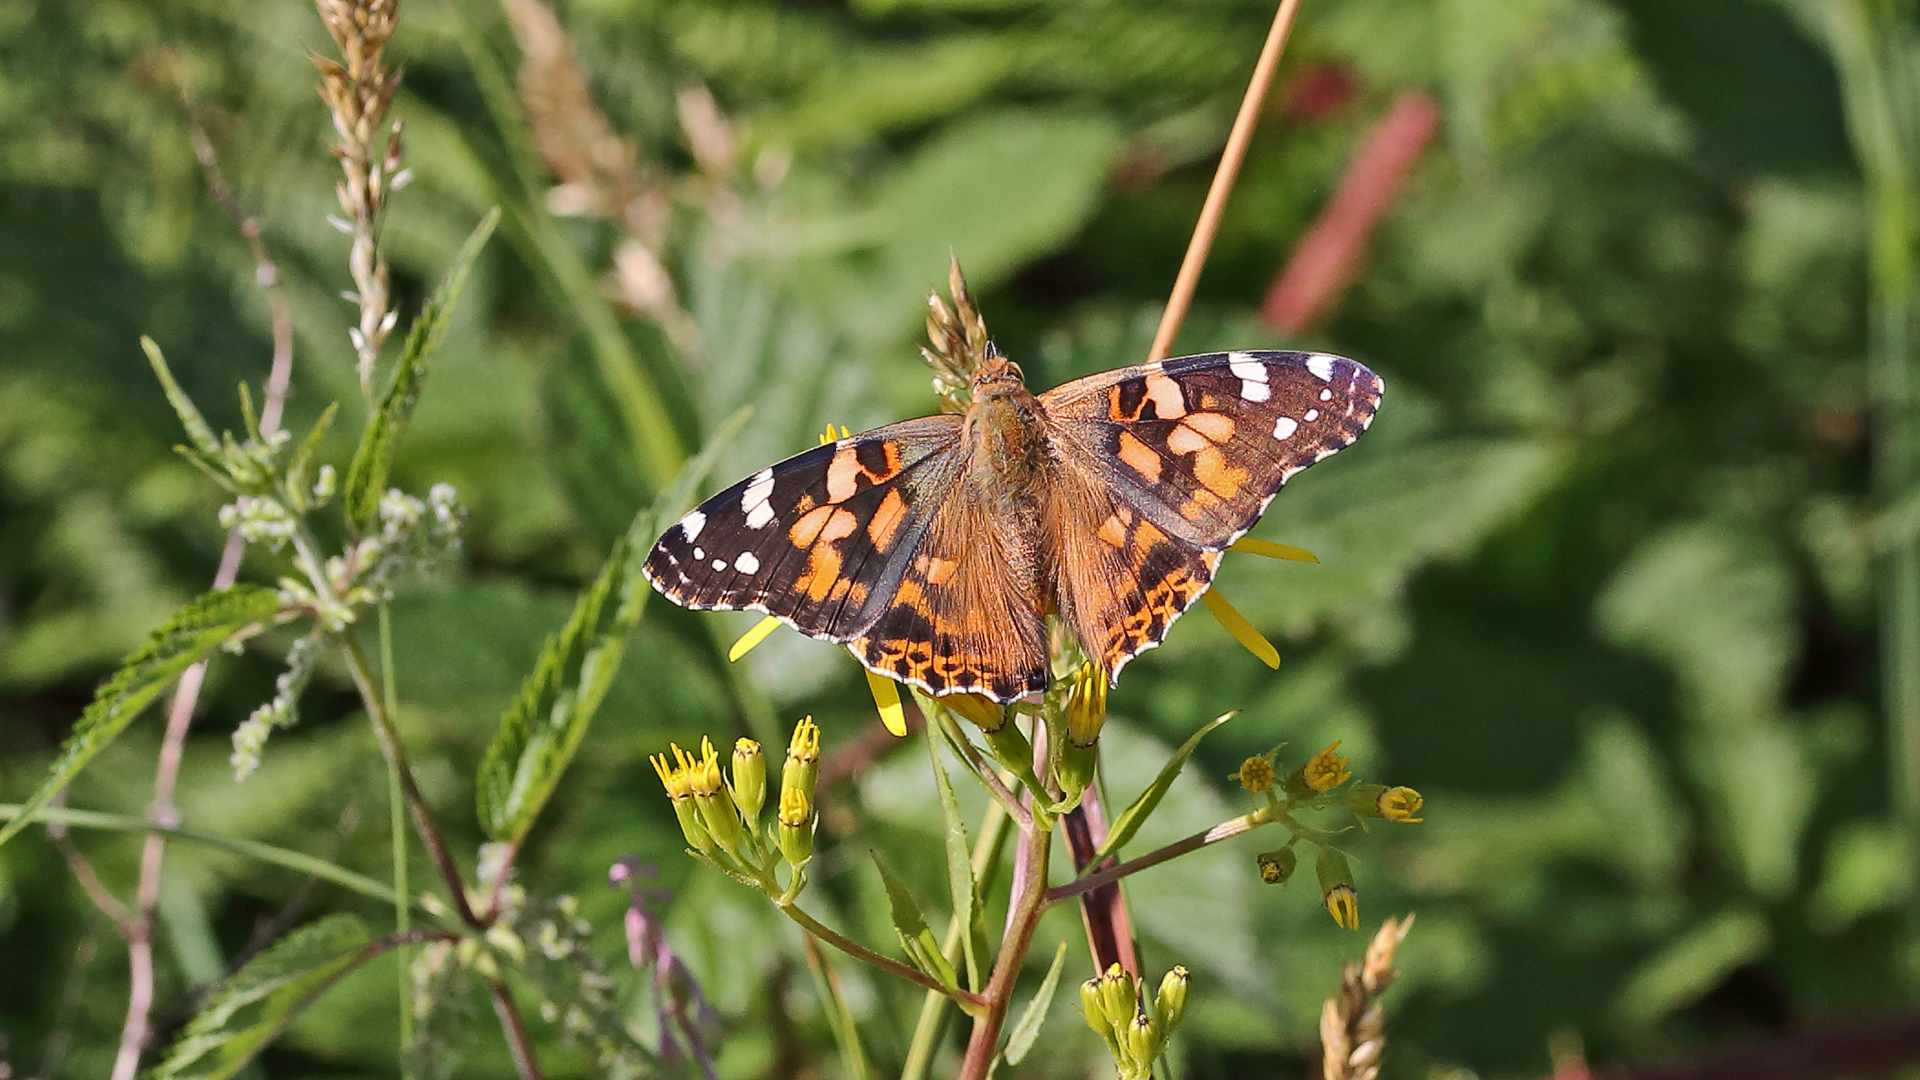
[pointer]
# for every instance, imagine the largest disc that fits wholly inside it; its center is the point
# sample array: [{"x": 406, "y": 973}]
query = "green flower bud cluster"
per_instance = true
[
  {"x": 720, "y": 810},
  {"x": 1111, "y": 1005}
]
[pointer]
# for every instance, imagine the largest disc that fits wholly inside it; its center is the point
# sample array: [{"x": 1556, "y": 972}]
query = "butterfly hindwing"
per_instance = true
[{"x": 817, "y": 539}]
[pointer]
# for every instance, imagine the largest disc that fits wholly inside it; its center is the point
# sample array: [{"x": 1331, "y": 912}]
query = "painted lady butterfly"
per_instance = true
[{"x": 936, "y": 547}]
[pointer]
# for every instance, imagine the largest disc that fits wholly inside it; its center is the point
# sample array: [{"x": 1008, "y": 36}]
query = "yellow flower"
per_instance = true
[
  {"x": 672, "y": 777},
  {"x": 1087, "y": 705},
  {"x": 1400, "y": 804},
  {"x": 1256, "y": 773},
  {"x": 977, "y": 709},
  {"x": 1344, "y": 906},
  {"x": 703, "y": 774},
  {"x": 1327, "y": 770}
]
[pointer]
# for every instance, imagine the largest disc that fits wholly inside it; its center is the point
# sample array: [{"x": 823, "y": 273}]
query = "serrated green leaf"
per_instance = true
[
  {"x": 194, "y": 631},
  {"x": 300, "y": 465},
  {"x": 922, "y": 948},
  {"x": 1028, "y": 1027},
  {"x": 198, "y": 432},
  {"x": 960, "y": 882},
  {"x": 262, "y": 998},
  {"x": 1134, "y": 816},
  {"x": 380, "y": 441},
  {"x": 540, "y": 732}
]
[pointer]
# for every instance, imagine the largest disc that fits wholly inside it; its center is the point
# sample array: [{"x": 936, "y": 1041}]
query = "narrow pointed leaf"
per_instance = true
[
  {"x": 960, "y": 883},
  {"x": 915, "y": 936},
  {"x": 367, "y": 477},
  {"x": 1027, "y": 1028},
  {"x": 1134, "y": 816},
  {"x": 540, "y": 732},
  {"x": 198, "y": 433},
  {"x": 300, "y": 466},
  {"x": 194, "y": 631},
  {"x": 261, "y": 999}
]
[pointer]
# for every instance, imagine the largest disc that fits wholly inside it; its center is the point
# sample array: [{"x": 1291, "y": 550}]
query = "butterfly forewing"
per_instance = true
[
  {"x": 1182, "y": 457},
  {"x": 1200, "y": 444},
  {"x": 813, "y": 539}
]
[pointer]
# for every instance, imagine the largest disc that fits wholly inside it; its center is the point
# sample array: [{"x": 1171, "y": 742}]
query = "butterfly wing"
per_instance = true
[
  {"x": 1166, "y": 464},
  {"x": 819, "y": 540},
  {"x": 874, "y": 542}
]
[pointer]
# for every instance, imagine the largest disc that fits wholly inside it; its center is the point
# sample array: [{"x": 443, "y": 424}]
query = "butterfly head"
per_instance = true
[{"x": 998, "y": 377}]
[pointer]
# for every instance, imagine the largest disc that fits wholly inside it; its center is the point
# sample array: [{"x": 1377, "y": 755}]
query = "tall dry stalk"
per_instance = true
[
  {"x": 358, "y": 88},
  {"x": 1353, "y": 1031}
]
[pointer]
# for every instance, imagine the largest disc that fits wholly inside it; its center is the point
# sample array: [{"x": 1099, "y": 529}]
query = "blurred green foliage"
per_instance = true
[{"x": 1599, "y": 582}]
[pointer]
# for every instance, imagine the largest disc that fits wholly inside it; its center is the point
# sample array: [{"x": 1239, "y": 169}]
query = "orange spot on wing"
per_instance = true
[
  {"x": 1185, "y": 440},
  {"x": 1168, "y": 403},
  {"x": 808, "y": 527},
  {"x": 1210, "y": 468},
  {"x": 1217, "y": 427},
  {"x": 1139, "y": 457},
  {"x": 843, "y": 475},
  {"x": 886, "y": 520},
  {"x": 1113, "y": 532}
]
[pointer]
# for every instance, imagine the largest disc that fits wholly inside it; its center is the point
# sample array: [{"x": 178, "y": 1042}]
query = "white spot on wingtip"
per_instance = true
[
  {"x": 719, "y": 564},
  {"x": 1253, "y": 376},
  {"x": 1326, "y": 395},
  {"x": 1284, "y": 427},
  {"x": 756, "y": 499},
  {"x": 699, "y": 553},
  {"x": 1322, "y": 366},
  {"x": 691, "y": 525},
  {"x": 747, "y": 563},
  {"x": 1312, "y": 415}
]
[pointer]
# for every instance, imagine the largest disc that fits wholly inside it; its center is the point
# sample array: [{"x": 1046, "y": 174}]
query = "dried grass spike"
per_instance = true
[
  {"x": 1352, "y": 1024},
  {"x": 959, "y": 338}
]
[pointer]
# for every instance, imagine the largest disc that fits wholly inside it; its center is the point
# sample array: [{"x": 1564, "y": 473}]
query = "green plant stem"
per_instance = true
[
  {"x": 397, "y": 828},
  {"x": 296, "y": 861},
  {"x": 1226, "y": 830},
  {"x": 1026, "y": 906},
  {"x": 989, "y": 777},
  {"x": 397, "y": 756},
  {"x": 966, "y": 999},
  {"x": 839, "y": 1018},
  {"x": 1867, "y": 45},
  {"x": 933, "y": 1010}
]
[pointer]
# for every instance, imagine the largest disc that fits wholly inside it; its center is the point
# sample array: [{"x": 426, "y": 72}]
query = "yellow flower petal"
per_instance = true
[
  {"x": 887, "y": 696},
  {"x": 752, "y": 637},
  {"x": 1272, "y": 550},
  {"x": 831, "y": 437},
  {"x": 1241, "y": 629}
]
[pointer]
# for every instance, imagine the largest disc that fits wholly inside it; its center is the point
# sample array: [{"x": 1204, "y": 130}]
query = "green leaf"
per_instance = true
[
  {"x": 1035, "y": 1014},
  {"x": 367, "y": 477},
  {"x": 540, "y": 732},
  {"x": 198, "y": 432},
  {"x": 261, "y": 999},
  {"x": 543, "y": 727},
  {"x": 1134, "y": 816},
  {"x": 194, "y": 631},
  {"x": 915, "y": 936},
  {"x": 300, "y": 466},
  {"x": 967, "y": 909}
]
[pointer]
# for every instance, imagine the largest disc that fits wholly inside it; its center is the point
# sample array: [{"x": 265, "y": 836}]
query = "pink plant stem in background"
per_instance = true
[{"x": 1324, "y": 260}]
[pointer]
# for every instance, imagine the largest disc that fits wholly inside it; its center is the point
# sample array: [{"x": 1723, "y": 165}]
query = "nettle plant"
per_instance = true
[
  {"x": 340, "y": 541},
  {"x": 1037, "y": 760}
]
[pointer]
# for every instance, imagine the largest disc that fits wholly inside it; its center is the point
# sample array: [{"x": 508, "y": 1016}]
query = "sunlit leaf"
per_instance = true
[
  {"x": 1027, "y": 1028},
  {"x": 1133, "y": 816},
  {"x": 916, "y": 938},
  {"x": 380, "y": 441},
  {"x": 193, "y": 632}
]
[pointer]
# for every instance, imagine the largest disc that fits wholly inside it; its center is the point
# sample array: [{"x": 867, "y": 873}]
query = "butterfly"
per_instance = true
[{"x": 935, "y": 549}]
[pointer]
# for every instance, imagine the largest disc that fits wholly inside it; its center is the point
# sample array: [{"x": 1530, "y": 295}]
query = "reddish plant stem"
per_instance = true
[
  {"x": 1028, "y": 903},
  {"x": 518, "y": 1041},
  {"x": 1103, "y": 911},
  {"x": 1323, "y": 261},
  {"x": 1223, "y": 179}
]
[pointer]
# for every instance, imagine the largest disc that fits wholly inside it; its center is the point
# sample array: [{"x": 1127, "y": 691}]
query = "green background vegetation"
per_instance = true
[{"x": 1600, "y": 582}]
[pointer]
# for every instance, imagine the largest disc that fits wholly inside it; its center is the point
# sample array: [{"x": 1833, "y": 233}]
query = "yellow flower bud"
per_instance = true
[
  {"x": 1336, "y": 888},
  {"x": 1170, "y": 1004},
  {"x": 717, "y": 810},
  {"x": 803, "y": 760},
  {"x": 1094, "y": 1010},
  {"x": 1144, "y": 1041},
  {"x": 677, "y": 780},
  {"x": 1087, "y": 705},
  {"x": 749, "y": 780},
  {"x": 1256, "y": 773},
  {"x": 1326, "y": 770},
  {"x": 1381, "y": 801},
  {"x": 1117, "y": 997},
  {"x": 1277, "y": 866},
  {"x": 796, "y": 827}
]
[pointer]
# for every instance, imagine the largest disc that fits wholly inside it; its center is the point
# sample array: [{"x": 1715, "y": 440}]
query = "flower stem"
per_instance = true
[
  {"x": 933, "y": 1010},
  {"x": 396, "y": 756},
  {"x": 1028, "y": 903},
  {"x": 966, "y": 999},
  {"x": 1226, "y": 830},
  {"x": 397, "y": 828}
]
